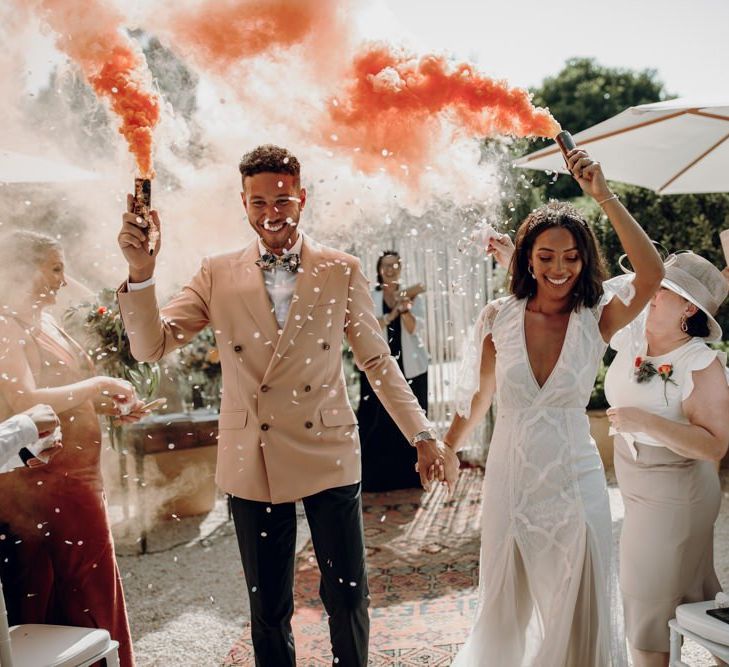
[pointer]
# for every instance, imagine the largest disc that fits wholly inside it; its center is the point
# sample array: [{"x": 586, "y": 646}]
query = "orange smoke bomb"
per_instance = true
[
  {"x": 395, "y": 100},
  {"x": 221, "y": 33},
  {"x": 91, "y": 34}
]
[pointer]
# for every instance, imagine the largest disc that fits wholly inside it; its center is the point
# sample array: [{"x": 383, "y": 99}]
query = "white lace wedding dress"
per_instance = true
[{"x": 548, "y": 588}]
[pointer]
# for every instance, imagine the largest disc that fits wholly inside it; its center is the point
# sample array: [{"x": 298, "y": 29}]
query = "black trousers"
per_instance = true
[{"x": 267, "y": 539}]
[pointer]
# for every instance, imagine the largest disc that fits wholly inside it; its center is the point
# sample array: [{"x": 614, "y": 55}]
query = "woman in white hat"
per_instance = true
[{"x": 669, "y": 397}]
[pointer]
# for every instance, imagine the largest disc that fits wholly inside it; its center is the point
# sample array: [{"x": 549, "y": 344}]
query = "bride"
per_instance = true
[{"x": 545, "y": 571}]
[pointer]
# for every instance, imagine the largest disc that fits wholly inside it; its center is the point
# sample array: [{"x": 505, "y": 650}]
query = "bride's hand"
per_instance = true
[{"x": 448, "y": 469}]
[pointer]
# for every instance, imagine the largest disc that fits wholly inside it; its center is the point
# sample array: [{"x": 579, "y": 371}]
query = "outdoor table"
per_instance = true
[{"x": 164, "y": 433}]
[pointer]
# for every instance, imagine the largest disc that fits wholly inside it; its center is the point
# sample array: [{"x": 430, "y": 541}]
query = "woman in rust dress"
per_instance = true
[{"x": 59, "y": 562}]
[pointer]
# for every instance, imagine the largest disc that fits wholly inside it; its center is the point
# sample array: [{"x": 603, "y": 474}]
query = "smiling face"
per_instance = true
[
  {"x": 556, "y": 263},
  {"x": 273, "y": 203},
  {"x": 390, "y": 268},
  {"x": 49, "y": 278}
]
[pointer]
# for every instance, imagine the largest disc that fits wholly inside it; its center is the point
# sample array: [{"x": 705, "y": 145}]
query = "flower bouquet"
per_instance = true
[{"x": 100, "y": 327}]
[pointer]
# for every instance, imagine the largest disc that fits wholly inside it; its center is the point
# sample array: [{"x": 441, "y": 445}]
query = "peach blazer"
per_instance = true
[{"x": 287, "y": 429}]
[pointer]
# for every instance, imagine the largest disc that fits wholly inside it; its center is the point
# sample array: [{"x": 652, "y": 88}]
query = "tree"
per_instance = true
[
  {"x": 677, "y": 222},
  {"x": 584, "y": 93}
]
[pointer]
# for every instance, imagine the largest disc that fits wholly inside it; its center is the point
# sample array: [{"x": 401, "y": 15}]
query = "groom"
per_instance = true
[{"x": 280, "y": 309}]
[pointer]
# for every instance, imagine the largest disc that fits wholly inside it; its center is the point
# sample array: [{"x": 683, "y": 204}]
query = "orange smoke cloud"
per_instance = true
[
  {"x": 396, "y": 104},
  {"x": 220, "y": 33},
  {"x": 90, "y": 33}
]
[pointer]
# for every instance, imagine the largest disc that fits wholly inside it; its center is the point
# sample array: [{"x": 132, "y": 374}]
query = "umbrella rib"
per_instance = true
[
  {"x": 599, "y": 137},
  {"x": 704, "y": 114},
  {"x": 692, "y": 163}
]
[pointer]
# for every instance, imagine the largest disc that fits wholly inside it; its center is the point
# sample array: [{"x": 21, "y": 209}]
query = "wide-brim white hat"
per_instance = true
[{"x": 698, "y": 281}]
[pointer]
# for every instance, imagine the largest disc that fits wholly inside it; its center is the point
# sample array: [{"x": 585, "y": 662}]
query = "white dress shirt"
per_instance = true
[
  {"x": 280, "y": 283},
  {"x": 15, "y": 433}
]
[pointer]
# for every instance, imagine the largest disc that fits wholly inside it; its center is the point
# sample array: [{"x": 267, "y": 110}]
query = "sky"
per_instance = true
[{"x": 527, "y": 40}]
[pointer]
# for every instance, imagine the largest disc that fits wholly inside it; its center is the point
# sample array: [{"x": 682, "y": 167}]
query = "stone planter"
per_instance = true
[
  {"x": 599, "y": 428},
  {"x": 173, "y": 456}
]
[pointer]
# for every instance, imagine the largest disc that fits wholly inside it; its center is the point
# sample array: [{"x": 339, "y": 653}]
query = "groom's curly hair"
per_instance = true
[
  {"x": 269, "y": 159},
  {"x": 588, "y": 288}
]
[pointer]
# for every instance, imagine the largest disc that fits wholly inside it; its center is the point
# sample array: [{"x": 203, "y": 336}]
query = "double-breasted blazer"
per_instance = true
[{"x": 286, "y": 428}]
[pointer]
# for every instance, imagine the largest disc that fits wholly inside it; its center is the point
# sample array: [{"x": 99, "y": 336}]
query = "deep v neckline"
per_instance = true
[{"x": 526, "y": 349}]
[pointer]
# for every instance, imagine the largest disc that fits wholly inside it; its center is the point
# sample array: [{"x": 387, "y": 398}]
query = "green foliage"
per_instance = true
[
  {"x": 199, "y": 373},
  {"x": 580, "y": 95},
  {"x": 597, "y": 397},
  {"x": 99, "y": 325},
  {"x": 677, "y": 222}
]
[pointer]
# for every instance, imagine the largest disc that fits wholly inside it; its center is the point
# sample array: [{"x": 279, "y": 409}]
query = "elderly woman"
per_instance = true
[
  {"x": 388, "y": 460},
  {"x": 62, "y": 569},
  {"x": 669, "y": 397}
]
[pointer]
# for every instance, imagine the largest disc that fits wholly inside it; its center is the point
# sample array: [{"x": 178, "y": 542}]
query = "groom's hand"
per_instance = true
[
  {"x": 133, "y": 242},
  {"x": 430, "y": 462}
]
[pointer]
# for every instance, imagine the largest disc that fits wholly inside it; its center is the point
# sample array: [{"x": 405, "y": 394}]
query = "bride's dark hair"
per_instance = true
[{"x": 588, "y": 288}]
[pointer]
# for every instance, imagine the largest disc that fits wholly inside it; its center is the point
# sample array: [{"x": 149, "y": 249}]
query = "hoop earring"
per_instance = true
[
  {"x": 531, "y": 272},
  {"x": 684, "y": 323}
]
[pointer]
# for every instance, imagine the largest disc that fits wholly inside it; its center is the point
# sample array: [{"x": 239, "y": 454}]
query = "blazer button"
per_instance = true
[
  {"x": 309, "y": 425},
  {"x": 265, "y": 427},
  {"x": 265, "y": 388},
  {"x": 307, "y": 387},
  {"x": 325, "y": 346},
  {"x": 237, "y": 348}
]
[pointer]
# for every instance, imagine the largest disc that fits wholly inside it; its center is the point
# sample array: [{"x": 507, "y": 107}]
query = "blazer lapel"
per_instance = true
[
  {"x": 313, "y": 275},
  {"x": 253, "y": 291}
]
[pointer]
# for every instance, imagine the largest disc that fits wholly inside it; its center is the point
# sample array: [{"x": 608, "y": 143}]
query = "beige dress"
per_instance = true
[{"x": 671, "y": 502}]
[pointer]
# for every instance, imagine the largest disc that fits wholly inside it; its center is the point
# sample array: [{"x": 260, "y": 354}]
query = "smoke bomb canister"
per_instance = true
[
  {"x": 565, "y": 142},
  {"x": 142, "y": 208}
]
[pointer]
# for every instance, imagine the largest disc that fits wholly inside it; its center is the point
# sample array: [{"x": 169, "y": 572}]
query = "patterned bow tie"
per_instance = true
[{"x": 288, "y": 262}]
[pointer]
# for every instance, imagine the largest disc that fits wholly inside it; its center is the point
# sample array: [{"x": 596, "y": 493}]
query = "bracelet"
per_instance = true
[{"x": 607, "y": 199}]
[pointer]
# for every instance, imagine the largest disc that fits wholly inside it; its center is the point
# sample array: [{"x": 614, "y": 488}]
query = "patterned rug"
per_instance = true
[{"x": 423, "y": 575}]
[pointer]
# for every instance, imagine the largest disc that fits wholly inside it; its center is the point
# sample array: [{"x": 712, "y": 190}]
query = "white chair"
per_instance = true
[
  {"x": 693, "y": 622},
  {"x": 53, "y": 645}
]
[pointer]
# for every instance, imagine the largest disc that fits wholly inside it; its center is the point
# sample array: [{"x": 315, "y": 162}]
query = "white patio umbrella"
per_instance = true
[
  {"x": 21, "y": 168},
  {"x": 675, "y": 147}
]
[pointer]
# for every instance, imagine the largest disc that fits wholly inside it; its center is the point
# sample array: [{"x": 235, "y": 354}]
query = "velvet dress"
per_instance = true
[{"x": 58, "y": 560}]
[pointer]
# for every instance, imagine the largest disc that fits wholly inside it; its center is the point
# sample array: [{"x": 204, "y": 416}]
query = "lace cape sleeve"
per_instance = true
[
  {"x": 631, "y": 336},
  {"x": 469, "y": 372}
]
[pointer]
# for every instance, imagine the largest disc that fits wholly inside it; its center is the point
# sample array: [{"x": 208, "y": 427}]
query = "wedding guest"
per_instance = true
[
  {"x": 669, "y": 397},
  {"x": 63, "y": 569},
  {"x": 546, "y": 539},
  {"x": 388, "y": 460}
]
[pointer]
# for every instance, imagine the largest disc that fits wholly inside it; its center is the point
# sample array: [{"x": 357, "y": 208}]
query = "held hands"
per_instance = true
[
  {"x": 431, "y": 461},
  {"x": 588, "y": 173},
  {"x": 132, "y": 240},
  {"x": 443, "y": 466},
  {"x": 627, "y": 420}
]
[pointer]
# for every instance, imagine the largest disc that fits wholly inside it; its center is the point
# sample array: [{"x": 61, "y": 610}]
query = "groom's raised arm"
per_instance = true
[{"x": 154, "y": 332}]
